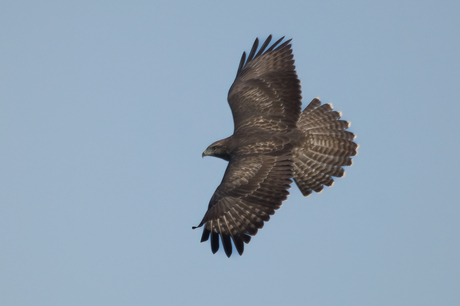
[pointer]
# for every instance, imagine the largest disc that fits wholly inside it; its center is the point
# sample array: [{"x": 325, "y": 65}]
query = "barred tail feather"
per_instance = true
[{"x": 328, "y": 147}]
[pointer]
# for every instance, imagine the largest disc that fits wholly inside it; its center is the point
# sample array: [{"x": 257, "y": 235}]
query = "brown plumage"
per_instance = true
[{"x": 273, "y": 142}]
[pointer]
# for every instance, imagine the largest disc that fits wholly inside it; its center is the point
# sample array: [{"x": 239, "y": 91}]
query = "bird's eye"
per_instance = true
[{"x": 214, "y": 148}]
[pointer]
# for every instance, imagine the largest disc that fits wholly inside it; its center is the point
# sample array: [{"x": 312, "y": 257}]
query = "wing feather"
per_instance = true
[
  {"x": 253, "y": 50},
  {"x": 253, "y": 187},
  {"x": 266, "y": 92},
  {"x": 264, "y": 46}
]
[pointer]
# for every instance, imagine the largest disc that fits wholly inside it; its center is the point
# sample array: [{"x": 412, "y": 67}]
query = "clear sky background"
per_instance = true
[{"x": 106, "y": 107}]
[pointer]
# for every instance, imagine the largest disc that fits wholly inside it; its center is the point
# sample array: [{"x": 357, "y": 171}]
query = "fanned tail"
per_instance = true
[{"x": 328, "y": 147}]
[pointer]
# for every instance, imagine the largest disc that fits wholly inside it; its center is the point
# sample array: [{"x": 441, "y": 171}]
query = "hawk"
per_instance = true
[{"x": 273, "y": 142}]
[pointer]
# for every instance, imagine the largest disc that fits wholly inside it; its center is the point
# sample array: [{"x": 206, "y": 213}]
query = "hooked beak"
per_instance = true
[{"x": 205, "y": 153}]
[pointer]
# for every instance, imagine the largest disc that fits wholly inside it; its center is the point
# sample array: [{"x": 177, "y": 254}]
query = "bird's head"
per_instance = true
[{"x": 218, "y": 149}]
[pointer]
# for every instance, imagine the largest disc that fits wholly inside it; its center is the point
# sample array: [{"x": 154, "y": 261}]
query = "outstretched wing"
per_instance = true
[
  {"x": 253, "y": 187},
  {"x": 266, "y": 91}
]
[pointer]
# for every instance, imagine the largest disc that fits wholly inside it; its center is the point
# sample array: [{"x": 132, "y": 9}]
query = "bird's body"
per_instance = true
[{"x": 272, "y": 143}]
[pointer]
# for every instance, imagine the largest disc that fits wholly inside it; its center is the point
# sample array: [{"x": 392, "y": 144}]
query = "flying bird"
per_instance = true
[{"x": 273, "y": 142}]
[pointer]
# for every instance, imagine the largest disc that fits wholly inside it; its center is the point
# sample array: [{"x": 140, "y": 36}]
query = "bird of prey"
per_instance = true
[{"x": 273, "y": 142}]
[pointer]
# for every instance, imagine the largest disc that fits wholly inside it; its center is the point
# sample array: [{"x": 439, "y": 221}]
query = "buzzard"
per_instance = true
[{"x": 273, "y": 142}]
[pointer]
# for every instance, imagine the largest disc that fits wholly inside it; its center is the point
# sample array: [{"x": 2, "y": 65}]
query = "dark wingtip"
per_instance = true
[
  {"x": 205, "y": 235},
  {"x": 275, "y": 44},
  {"x": 246, "y": 238},
  {"x": 265, "y": 44},
  {"x": 239, "y": 245},
  {"x": 253, "y": 50},
  {"x": 214, "y": 242},
  {"x": 242, "y": 61},
  {"x": 252, "y": 54},
  {"x": 227, "y": 243}
]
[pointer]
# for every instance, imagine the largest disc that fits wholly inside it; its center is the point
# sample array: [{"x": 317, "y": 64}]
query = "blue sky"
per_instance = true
[{"x": 106, "y": 107}]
